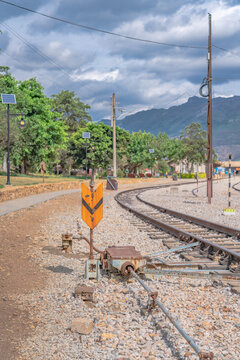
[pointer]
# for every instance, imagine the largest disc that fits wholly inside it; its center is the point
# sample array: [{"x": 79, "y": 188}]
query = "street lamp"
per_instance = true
[{"x": 10, "y": 99}]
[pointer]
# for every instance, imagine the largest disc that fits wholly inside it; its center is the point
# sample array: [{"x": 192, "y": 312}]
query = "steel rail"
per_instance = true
[
  {"x": 234, "y": 186},
  {"x": 181, "y": 234},
  {"x": 208, "y": 224},
  {"x": 173, "y": 321}
]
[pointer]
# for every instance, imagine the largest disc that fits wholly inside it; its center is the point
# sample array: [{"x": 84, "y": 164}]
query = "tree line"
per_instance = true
[{"x": 53, "y": 134}]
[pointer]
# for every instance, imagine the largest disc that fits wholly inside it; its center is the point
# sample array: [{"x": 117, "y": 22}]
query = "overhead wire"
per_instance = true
[
  {"x": 226, "y": 50},
  {"x": 91, "y": 28},
  {"x": 35, "y": 49}
]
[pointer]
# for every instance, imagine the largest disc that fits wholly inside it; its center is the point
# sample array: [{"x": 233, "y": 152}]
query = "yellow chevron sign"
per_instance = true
[{"x": 92, "y": 205}]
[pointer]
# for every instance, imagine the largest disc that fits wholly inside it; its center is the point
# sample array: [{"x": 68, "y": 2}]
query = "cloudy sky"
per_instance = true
[{"x": 94, "y": 64}]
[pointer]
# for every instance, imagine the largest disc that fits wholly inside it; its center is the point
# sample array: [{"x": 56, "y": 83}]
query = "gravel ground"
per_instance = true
[
  {"x": 207, "y": 311},
  {"x": 182, "y": 200}
]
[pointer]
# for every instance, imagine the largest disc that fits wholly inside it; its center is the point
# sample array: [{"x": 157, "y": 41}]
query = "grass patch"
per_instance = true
[{"x": 25, "y": 180}]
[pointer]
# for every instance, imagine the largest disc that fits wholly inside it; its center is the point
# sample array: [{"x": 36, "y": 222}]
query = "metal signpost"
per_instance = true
[
  {"x": 86, "y": 135},
  {"x": 229, "y": 181},
  {"x": 92, "y": 209},
  {"x": 151, "y": 152},
  {"x": 10, "y": 99},
  {"x": 229, "y": 210}
]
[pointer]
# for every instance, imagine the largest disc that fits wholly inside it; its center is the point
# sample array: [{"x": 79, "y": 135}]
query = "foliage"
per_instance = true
[
  {"x": 42, "y": 136},
  {"x": 163, "y": 166},
  {"x": 194, "y": 141},
  {"x": 201, "y": 175},
  {"x": 99, "y": 146},
  {"x": 120, "y": 173},
  {"x": 188, "y": 176},
  {"x": 138, "y": 150},
  {"x": 70, "y": 109}
]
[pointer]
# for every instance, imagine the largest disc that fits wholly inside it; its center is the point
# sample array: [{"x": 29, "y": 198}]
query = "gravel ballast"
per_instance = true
[{"x": 207, "y": 311}]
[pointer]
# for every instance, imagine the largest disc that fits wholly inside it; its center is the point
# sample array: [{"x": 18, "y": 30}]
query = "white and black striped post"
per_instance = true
[{"x": 229, "y": 181}]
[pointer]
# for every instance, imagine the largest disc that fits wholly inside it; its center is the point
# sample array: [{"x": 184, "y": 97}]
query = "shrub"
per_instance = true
[
  {"x": 201, "y": 175},
  {"x": 188, "y": 176},
  {"x": 131, "y": 175},
  {"x": 149, "y": 175},
  {"x": 141, "y": 175},
  {"x": 120, "y": 173},
  {"x": 1, "y": 186}
]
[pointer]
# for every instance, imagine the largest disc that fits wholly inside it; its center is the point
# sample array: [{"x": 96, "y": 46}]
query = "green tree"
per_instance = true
[
  {"x": 69, "y": 108},
  {"x": 194, "y": 142},
  {"x": 42, "y": 136},
  {"x": 99, "y": 146},
  {"x": 8, "y": 85},
  {"x": 138, "y": 151}
]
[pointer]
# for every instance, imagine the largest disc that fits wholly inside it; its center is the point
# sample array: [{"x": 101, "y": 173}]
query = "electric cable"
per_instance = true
[
  {"x": 101, "y": 30},
  {"x": 34, "y": 48},
  {"x": 226, "y": 50}
]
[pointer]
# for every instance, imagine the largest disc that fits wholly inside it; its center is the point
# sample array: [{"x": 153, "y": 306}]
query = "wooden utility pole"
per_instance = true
[
  {"x": 113, "y": 124},
  {"x": 209, "y": 118}
]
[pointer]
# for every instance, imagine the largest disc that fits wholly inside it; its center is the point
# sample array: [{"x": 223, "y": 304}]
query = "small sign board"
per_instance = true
[
  {"x": 86, "y": 135},
  {"x": 8, "y": 98},
  {"x": 92, "y": 205},
  {"x": 151, "y": 151}
]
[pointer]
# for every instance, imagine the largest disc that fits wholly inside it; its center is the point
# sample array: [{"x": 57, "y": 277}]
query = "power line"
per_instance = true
[
  {"x": 101, "y": 30},
  {"x": 35, "y": 49},
  {"x": 223, "y": 49}
]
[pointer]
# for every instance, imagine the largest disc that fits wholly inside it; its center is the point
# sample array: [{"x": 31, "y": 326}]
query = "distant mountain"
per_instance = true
[{"x": 226, "y": 122}]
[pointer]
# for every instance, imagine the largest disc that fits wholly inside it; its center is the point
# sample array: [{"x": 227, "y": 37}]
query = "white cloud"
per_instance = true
[{"x": 95, "y": 75}]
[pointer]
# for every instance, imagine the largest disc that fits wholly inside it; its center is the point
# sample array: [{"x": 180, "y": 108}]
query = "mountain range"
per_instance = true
[{"x": 226, "y": 122}]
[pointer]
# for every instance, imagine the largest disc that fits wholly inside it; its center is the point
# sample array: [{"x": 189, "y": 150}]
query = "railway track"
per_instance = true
[
  {"x": 236, "y": 186},
  {"x": 219, "y": 246}
]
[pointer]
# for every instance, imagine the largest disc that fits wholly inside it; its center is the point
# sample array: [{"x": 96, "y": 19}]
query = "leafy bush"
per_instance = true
[
  {"x": 120, "y": 173},
  {"x": 188, "y": 176},
  {"x": 131, "y": 175},
  {"x": 1, "y": 186},
  {"x": 149, "y": 175},
  {"x": 201, "y": 175}
]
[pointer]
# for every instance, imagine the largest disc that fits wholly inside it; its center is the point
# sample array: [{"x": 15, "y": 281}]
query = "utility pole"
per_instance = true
[
  {"x": 113, "y": 124},
  {"x": 209, "y": 118}
]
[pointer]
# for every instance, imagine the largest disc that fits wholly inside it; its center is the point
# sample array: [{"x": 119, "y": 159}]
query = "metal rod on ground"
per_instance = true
[
  {"x": 209, "y": 117},
  {"x": 8, "y": 157},
  {"x": 174, "y": 322},
  {"x": 229, "y": 181},
  {"x": 185, "y": 247}
]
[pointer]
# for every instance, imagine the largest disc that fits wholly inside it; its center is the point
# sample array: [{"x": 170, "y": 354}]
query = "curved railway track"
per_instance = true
[
  {"x": 219, "y": 246},
  {"x": 236, "y": 186}
]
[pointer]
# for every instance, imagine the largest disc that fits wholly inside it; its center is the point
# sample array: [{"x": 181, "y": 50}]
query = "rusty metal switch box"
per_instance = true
[{"x": 120, "y": 258}]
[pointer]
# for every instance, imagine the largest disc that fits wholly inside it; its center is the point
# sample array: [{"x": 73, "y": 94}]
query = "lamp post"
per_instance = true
[{"x": 10, "y": 99}]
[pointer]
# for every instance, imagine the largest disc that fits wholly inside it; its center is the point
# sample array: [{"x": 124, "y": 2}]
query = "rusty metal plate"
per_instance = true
[
  {"x": 123, "y": 252},
  {"x": 86, "y": 292}
]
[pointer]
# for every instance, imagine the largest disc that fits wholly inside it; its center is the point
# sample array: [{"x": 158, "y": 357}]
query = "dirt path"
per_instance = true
[{"x": 19, "y": 273}]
